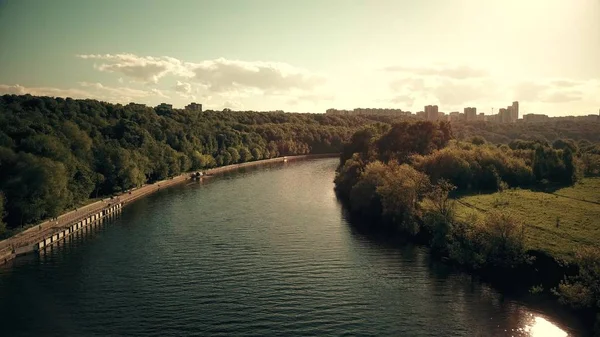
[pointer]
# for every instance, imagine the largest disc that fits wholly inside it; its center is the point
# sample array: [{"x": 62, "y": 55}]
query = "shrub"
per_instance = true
[
  {"x": 497, "y": 241},
  {"x": 583, "y": 290}
]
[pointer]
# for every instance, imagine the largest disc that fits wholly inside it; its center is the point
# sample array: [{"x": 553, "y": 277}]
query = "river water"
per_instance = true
[{"x": 265, "y": 252}]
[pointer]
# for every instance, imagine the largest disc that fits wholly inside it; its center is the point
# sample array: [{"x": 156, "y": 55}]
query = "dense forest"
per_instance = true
[
  {"x": 403, "y": 178},
  {"x": 57, "y": 153}
]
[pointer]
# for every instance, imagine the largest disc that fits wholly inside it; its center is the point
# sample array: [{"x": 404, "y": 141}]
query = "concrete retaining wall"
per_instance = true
[
  {"x": 75, "y": 227},
  {"x": 61, "y": 234}
]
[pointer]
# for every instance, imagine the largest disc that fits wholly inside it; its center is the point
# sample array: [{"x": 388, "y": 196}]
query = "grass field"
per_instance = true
[{"x": 577, "y": 208}]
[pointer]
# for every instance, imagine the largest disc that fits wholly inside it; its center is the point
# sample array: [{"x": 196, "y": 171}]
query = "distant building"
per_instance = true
[
  {"x": 369, "y": 111},
  {"x": 515, "y": 111},
  {"x": 194, "y": 107},
  {"x": 165, "y": 106},
  {"x": 431, "y": 112},
  {"x": 503, "y": 116},
  {"x": 454, "y": 116},
  {"x": 470, "y": 114},
  {"x": 535, "y": 118}
]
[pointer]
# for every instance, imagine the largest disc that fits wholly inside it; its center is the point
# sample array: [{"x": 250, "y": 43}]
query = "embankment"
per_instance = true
[{"x": 51, "y": 231}]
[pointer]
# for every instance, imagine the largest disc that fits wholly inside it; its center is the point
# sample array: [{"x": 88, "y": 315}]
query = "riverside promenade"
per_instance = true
[{"x": 28, "y": 240}]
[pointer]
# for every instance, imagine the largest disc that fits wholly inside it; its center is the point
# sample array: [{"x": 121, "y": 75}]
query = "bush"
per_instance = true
[
  {"x": 583, "y": 290},
  {"x": 476, "y": 168},
  {"x": 498, "y": 241}
]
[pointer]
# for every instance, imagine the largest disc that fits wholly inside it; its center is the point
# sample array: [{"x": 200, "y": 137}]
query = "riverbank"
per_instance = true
[{"x": 31, "y": 239}]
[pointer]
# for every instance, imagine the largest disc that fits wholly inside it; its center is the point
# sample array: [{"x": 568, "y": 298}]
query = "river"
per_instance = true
[{"x": 264, "y": 252}]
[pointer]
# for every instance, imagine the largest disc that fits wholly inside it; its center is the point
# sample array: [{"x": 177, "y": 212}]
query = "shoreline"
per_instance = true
[
  {"x": 48, "y": 232},
  {"x": 545, "y": 270}
]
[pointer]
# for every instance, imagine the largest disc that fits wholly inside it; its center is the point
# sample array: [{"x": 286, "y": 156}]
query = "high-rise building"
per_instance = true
[
  {"x": 195, "y": 107},
  {"x": 503, "y": 116},
  {"x": 431, "y": 112},
  {"x": 515, "y": 110},
  {"x": 470, "y": 114}
]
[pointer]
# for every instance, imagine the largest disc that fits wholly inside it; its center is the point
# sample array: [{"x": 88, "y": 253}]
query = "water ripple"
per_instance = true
[{"x": 264, "y": 253}]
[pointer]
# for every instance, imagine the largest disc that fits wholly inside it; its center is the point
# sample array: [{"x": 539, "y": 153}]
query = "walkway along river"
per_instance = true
[
  {"x": 54, "y": 230},
  {"x": 265, "y": 252}
]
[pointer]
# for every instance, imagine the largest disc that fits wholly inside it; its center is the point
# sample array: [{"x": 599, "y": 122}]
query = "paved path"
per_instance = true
[
  {"x": 46, "y": 228},
  {"x": 36, "y": 233}
]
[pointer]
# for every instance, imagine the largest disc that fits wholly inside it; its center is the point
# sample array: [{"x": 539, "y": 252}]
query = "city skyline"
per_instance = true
[{"x": 307, "y": 56}]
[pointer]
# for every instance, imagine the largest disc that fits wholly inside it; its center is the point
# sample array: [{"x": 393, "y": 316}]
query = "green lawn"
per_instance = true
[{"x": 577, "y": 207}]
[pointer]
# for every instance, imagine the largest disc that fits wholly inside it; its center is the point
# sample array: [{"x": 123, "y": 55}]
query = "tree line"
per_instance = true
[
  {"x": 57, "y": 153},
  {"x": 402, "y": 178}
]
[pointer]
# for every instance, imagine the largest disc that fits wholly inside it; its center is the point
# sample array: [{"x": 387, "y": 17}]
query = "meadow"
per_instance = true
[{"x": 557, "y": 223}]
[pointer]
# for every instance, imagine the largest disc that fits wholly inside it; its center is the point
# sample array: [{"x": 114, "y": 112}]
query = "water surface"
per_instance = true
[{"x": 266, "y": 252}]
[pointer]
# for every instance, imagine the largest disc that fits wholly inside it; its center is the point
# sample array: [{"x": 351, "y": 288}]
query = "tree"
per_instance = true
[
  {"x": 570, "y": 168},
  {"x": 440, "y": 198},
  {"x": 235, "y": 155},
  {"x": 245, "y": 155},
  {"x": 401, "y": 193}
]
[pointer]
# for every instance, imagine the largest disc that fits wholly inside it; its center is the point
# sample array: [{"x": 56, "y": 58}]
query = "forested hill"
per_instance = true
[{"x": 56, "y": 153}]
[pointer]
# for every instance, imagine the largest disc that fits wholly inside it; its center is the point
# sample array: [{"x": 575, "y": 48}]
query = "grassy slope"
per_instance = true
[{"x": 578, "y": 209}]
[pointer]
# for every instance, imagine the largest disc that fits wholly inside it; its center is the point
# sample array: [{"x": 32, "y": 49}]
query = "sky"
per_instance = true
[{"x": 309, "y": 55}]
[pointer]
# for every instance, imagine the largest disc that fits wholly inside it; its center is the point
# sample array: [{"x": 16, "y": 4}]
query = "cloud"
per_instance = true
[
  {"x": 311, "y": 98},
  {"x": 233, "y": 105},
  {"x": 184, "y": 90},
  {"x": 455, "y": 72},
  {"x": 146, "y": 69},
  {"x": 87, "y": 90},
  {"x": 224, "y": 75},
  {"x": 219, "y": 75},
  {"x": 46, "y": 91},
  {"x": 562, "y": 97},
  {"x": 457, "y": 93},
  {"x": 159, "y": 93},
  {"x": 406, "y": 100},
  {"x": 411, "y": 83},
  {"x": 564, "y": 83},
  {"x": 556, "y": 91},
  {"x": 118, "y": 94},
  {"x": 529, "y": 91}
]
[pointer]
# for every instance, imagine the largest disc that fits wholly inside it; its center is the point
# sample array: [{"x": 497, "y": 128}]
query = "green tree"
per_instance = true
[
  {"x": 235, "y": 155},
  {"x": 245, "y": 155}
]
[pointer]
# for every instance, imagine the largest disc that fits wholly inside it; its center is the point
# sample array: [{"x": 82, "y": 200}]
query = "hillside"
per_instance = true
[{"x": 57, "y": 153}]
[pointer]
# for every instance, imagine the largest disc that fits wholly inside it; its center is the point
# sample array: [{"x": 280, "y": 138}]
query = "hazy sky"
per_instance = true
[{"x": 308, "y": 55}]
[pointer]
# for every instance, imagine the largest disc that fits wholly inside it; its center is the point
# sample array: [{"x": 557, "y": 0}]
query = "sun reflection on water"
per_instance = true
[{"x": 541, "y": 327}]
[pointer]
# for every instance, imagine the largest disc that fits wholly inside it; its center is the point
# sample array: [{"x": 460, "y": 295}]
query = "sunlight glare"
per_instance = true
[{"x": 541, "y": 327}]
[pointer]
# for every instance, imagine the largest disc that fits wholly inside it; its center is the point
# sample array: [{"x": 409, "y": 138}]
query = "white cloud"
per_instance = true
[
  {"x": 46, "y": 91},
  {"x": 88, "y": 90},
  {"x": 118, "y": 94},
  {"x": 454, "y": 87},
  {"x": 455, "y": 72},
  {"x": 140, "y": 68},
  {"x": 228, "y": 80},
  {"x": 308, "y": 98},
  {"x": 184, "y": 90},
  {"x": 272, "y": 77},
  {"x": 159, "y": 93},
  {"x": 219, "y": 75},
  {"x": 233, "y": 105}
]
